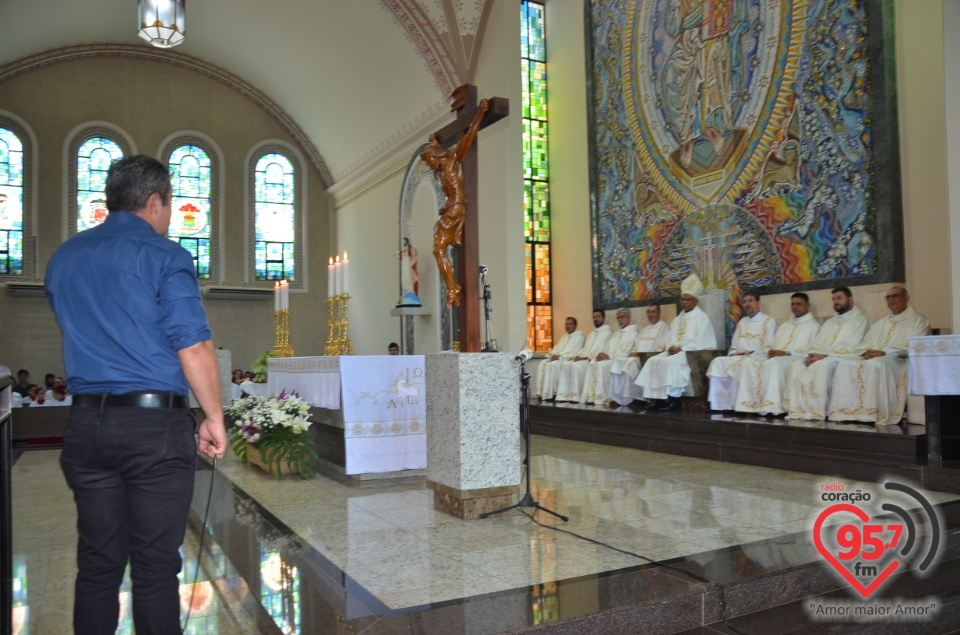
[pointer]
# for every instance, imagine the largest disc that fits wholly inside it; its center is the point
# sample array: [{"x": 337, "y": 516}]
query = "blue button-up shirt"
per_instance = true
[{"x": 126, "y": 299}]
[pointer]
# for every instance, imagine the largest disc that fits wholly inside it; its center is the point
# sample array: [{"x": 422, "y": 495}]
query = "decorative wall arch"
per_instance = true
[{"x": 181, "y": 60}]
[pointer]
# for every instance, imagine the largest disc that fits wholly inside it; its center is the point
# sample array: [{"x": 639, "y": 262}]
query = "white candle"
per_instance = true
[
  {"x": 285, "y": 295},
  {"x": 276, "y": 297},
  {"x": 330, "y": 279},
  {"x": 338, "y": 274},
  {"x": 346, "y": 273}
]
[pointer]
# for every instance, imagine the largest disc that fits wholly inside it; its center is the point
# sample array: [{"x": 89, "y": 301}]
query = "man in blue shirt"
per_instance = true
[{"x": 135, "y": 335}]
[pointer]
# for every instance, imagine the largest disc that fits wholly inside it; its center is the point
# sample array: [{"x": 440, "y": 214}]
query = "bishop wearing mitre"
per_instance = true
[{"x": 666, "y": 376}]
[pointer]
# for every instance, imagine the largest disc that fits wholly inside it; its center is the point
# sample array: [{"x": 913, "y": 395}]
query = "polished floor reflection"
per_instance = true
[{"x": 332, "y": 556}]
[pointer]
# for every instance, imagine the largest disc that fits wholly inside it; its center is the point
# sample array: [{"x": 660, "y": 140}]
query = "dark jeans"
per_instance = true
[{"x": 131, "y": 471}]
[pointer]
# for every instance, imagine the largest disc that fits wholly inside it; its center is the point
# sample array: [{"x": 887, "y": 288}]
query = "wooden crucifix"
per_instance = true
[{"x": 452, "y": 155}]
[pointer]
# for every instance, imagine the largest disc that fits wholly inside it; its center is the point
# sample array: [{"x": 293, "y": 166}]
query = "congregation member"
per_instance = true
[
  {"x": 23, "y": 385},
  {"x": 653, "y": 338},
  {"x": 666, "y": 376},
  {"x": 548, "y": 372},
  {"x": 617, "y": 348},
  {"x": 753, "y": 337},
  {"x": 873, "y": 388},
  {"x": 572, "y": 371},
  {"x": 810, "y": 379},
  {"x": 393, "y": 349},
  {"x": 763, "y": 378}
]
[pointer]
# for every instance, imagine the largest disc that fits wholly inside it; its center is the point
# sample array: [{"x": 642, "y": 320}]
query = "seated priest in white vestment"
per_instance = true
[
  {"x": 548, "y": 372},
  {"x": 753, "y": 337},
  {"x": 598, "y": 371},
  {"x": 572, "y": 371},
  {"x": 652, "y": 338},
  {"x": 763, "y": 378},
  {"x": 809, "y": 381},
  {"x": 667, "y": 376},
  {"x": 873, "y": 388}
]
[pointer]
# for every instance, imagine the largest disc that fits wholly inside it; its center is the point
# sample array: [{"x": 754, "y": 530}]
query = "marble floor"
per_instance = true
[{"x": 331, "y": 555}]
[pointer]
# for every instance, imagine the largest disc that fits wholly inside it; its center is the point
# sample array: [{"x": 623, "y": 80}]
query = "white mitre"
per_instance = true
[{"x": 691, "y": 285}]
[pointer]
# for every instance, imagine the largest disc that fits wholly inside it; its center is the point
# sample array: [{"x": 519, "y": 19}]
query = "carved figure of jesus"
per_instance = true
[{"x": 447, "y": 166}]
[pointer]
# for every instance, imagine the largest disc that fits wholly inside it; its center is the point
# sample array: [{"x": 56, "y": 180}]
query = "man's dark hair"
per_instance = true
[
  {"x": 754, "y": 294},
  {"x": 48, "y": 380},
  {"x": 656, "y": 304},
  {"x": 844, "y": 290},
  {"x": 393, "y": 345},
  {"x": 23, "y": 371},
  {"x": 572, "y": 318},
  {"x": 802, "y": 296},
  {"x": 600, "y": 311},
  {"x": 132, "y": 180}
]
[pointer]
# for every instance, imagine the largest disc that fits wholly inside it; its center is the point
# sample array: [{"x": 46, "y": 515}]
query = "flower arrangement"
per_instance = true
[{"x": 277, "y": 427}]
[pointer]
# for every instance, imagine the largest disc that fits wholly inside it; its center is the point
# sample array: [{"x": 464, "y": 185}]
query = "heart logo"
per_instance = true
[{"x": 829, "y": 557}]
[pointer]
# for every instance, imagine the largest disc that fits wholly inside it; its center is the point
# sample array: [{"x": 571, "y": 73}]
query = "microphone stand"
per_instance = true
[
  {"x": 527, "y": 500},
  {"x": 490, "y": 345}
]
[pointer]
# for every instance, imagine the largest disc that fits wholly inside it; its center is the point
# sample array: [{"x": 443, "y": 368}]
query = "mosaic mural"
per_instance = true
[{"x": 733, "y": 138}]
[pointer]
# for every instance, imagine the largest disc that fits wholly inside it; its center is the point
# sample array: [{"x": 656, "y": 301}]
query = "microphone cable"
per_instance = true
[{"x": 203, "y": 534}]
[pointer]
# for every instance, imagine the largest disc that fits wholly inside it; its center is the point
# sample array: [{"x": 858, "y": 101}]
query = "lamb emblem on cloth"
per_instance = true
[{"x": 405, "y": 389}]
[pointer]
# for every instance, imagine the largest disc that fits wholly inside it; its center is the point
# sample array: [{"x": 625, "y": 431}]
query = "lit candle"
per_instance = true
[
  {"x": 330, "y": 279},
  {"x": 338, "y": 274},
  {"x": 276, "y": 297},
  {"x": 346, "y": 273},
  {"x": 285, "y": 295}
]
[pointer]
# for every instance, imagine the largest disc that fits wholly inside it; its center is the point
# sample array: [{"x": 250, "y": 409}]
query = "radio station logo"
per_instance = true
[{"x": 867, "y": 549}]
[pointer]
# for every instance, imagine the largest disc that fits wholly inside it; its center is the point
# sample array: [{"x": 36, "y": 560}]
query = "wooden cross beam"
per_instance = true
[{"x": 466, "y": 105}]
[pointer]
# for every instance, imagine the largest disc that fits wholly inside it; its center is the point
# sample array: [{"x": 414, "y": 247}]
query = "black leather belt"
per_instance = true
[{"x": 139, "y": 399}]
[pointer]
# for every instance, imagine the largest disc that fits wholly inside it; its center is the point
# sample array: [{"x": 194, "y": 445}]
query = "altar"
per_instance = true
[{"x": 369, "y": 412}]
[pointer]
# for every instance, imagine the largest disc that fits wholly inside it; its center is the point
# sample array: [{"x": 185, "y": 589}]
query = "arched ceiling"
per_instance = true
[{"x": 361, "y": 78}]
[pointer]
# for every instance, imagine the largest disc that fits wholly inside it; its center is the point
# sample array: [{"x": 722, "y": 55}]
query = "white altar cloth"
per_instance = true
[
  {"x": 383, "y": 400},
  {"x": 935, "y": 365}
]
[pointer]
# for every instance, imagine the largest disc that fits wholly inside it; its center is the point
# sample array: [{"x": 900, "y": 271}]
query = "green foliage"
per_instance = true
[{"x": 259, "y": 367}]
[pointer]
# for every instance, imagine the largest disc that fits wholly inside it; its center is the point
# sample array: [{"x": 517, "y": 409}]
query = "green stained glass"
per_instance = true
[
  {"x": 275, "y": 218},
  {"x": 537, "y": 91},
  {"x": 11, "y": 203},
  {"x": 94, "y": 158},
  {"x": 536, "y": 190},
  {"x": 190, "y": 175}
]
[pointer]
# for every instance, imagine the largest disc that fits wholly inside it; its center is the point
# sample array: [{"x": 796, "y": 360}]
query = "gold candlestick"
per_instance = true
[
  {"x": 346, "y": 346},
  {"x": 282, "y": 332},
  {"x": 331, "y": 348}
]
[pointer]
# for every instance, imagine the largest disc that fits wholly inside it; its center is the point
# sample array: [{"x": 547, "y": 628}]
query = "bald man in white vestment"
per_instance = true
[
  {"x": 666, "y": 376},
  {"x": 809, "y": 382},
  {"x": 753, "y": 336},
  {"x": 763, "y": 378},
  {"x": 598, "y": 371},
  {"x": 548, "y": 372},
  {"x": 572, "y": 371},
  {"x": 873, "y": 388},
  {"x": 653, "y": 338}
]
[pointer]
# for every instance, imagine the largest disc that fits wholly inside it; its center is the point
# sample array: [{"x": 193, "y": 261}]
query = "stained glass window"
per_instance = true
[
  {"x": 190, "y": 174},
  {"x": 11, "y": 203},
  {"x": 94, "y": 158},
  {"x": 275, "y": 218},
  {"x": 536, "y": 176}
]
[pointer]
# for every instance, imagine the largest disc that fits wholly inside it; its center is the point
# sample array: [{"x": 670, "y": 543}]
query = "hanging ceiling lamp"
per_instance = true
[{"x": 163, "y": 23}]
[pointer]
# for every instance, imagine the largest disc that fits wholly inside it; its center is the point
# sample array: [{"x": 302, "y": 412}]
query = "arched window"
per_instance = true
[
  {"x": 275, "y": 220},
  {"x": 93, "y": 151},
  {"x": 12, "y": 195},
  {"x": 194, "y": 178}
]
